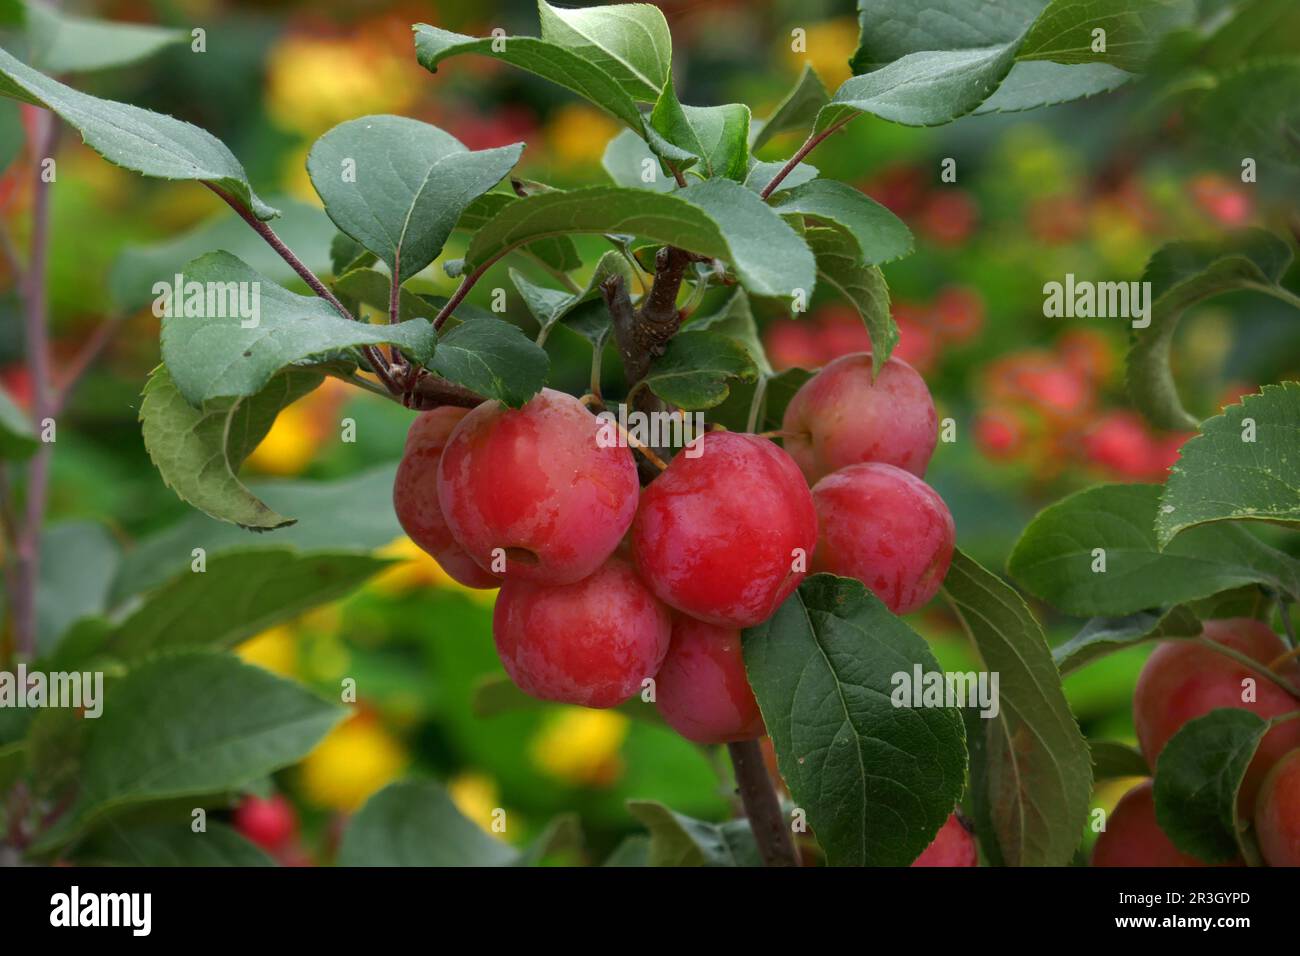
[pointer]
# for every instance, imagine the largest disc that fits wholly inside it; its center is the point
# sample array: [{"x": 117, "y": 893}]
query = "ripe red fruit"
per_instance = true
[
  {"x": 888, "y": 529},
  {"x": 725, "y": 536},
  {"x": 590, "y": 643},
  {"x": 953, "y": 845},
  {"x": 792, "y": 344},
  {"x": 841, "y": 417},
  {"x": 269, "y": 823},
  {"x": 841, "y": 332},
  {"x": 1277, "y": 814},
  {"x": 415, "y": 496},
  {"x": 1119, "y": 442},
  {"x": 702, "y": 690},
  {"x": 959, "y": 313},
  {"x": 1000, "y": 433},
  {"x": 917, "y": 345},
  {"x": 534, "y": 487},
  {"x": 948, "y": 217},
  {"x": 1133, "y": 838},
  {"x": 1181, "y": 681}
]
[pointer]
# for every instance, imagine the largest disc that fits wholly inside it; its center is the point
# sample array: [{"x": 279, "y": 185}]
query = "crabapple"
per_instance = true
[
  {"x": 415, "y": 496},
  {"x": 953, "y": 845},
  {"x": 702, "y": 690},
  {"x": 959, "y": 311},
  {"x": 1133, "y": 837},
  {"x": 1277, "y": 814},
  {"x": 1000, "y": 432},
  {"x": 841, "y": 417},
  {"x": 888, "y": 529},
  {"x": 1120, "y": 443},
  {"x": 590, "y": 643},
  {"x": 1182, "y": 680},
  {"x": 269, "y": 823},
  {"x": 725, "y": 536},
  {"x": 534, "y": 486},
  {"x": 790, "y": 344},
  {"x": 948, "y": 217}
]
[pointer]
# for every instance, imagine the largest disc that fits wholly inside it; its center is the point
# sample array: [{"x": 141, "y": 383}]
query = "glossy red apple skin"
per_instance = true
[
  {"x": 842, "y": 417},
  {"x": 887, "y": 528},
  {"x": 726, "y": 536},
  {"x": 535, "y": 485},
  {"x": 702, "y": 690},
  {"x": 1182, "y": 681},
  {"x": 1277, "y": 813},
  {"x": 590, "y": 643},
  {"x": 415, "y": 496},
  {"x": 953, "y": 845},
  {"x": 1133, "y": 837}
]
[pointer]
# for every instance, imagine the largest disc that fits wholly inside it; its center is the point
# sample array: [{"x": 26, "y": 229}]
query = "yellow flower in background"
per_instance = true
[
  {"x": 418, "y": 570},
  {"x": 314, "y": 83},
  {"x": 356, "y": 759},
  {"x": 289, "y": 446},
  {"x": 577, "y": 134},
  {"x": 828, "y": 46},
  {"x": 476, "y": 796},
  {"x": 275, "y": 650},
  {"x": 581, "y": 746}
]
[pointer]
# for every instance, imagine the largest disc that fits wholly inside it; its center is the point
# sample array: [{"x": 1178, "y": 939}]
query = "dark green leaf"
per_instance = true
[
  {"x": 717, "y": 135},
  {"x": 372, "y": 288},
  {"x": 736, "y": 321},
  {"x": 880, "y": 235},
  {"x": 1112, "y": 760},
  {"x": 677, "y": 840},
  {"x": 696, "y": 369},
  {"x": 629, "y": 42},
  {"x": 347, "y": 254},
  {"x": 493, "y": 358},
  {"x": 557, "y": 253},
  {"x": 838, "y": 265},
  {"x": 12, "y": 136},
  {"x": 61, "y": 43},
  {"x": 78, "y": 562},
  {"x": 797, "y": 111},
  {"x": 174, "y": 844},
  {"x": 1035, "y": 83},
  {"x": 1102, "y": 636},
  {"x": 630, "y": 162},
  {"x": 1254, "y": 108},
  {"x": 1064, "y": 31},
  {"x": 17, "y": 437},
  {"x": 760, "y": 174}
]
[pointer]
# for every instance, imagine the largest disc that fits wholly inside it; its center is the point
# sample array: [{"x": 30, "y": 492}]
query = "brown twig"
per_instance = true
[
  {"x": 430, "y": 391},
  {"x": 758, "y": 795},
  {"x": 808, "y": 146}
]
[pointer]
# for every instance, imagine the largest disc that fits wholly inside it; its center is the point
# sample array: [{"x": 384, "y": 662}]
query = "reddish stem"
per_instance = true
[{"x": 809, "y": 145}]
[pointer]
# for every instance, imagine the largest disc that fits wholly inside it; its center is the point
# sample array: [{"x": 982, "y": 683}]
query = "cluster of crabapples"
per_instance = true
[
  {"x": 605, "y": 585},
  {"x": 1182, "y": 681}
]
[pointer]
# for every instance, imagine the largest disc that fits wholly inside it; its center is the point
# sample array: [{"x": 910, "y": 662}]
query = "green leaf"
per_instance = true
[
  {"x": 496, "y": 695},
  {"x": 174, "y": 844},
  {"x": 216, "y": 356},
  {"x": 839, "y": 266},
  {"x": 1036, "y": 774},
  {"x": 630, "y": 162},
  {"x": 398, "y": 186},
  {"x": 347, "y": 254},
  {"x": 1198, "y": 776},
  {"x": 1102, "y": 636},
  {"x": 12, "y": 135},
  {"x": 1113, "y": 760},
  {"x": 677, "y": 840},
  {"x": 1056, "y": 554},
  {"x": 415, "y": 823},
  {"x": 1064, "y": 31},
  {"x": 556, "y": 253},
  {"x": 371, "y": 288},
  {"x": 718, "y": 135},
  {"x": 760, "y": 174},
  {"x": 493, "y": 358},
  {"x": 1255, "y": 110},
  {"x": 797, "y": 111},
  {"x": 239, "y": 594},
  {"x": 696, "y": 368},
  {"x": 61, "y": 43},
  {"x": 880, "y": 235},
  {"x": 17, "y": 437},
  {"x": 1222, "y": 476},
  {"x": 549, "y": 306},
  {"x": 1181, "y": 275},
  {"x": 78, "y": 562},
  {"x": 718, "y": 219},
  {"x": 191, "y": 724},
  {"x": 631, "y": 851},
  {"x": 876, "y": 781},
  {"x": 628, "y": 41},
  {"x": 148, "y": 143},
  {"x": 199, "y": 450},
  {"x": 1035, "y": 83},
  {"x": 736, "y": 321}
]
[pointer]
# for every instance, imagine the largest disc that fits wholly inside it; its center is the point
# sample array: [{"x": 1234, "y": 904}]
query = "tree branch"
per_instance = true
[
  {"x": 430, "y": 391},
  {"x": 811, "y": 143},
  {"x": 758, "y": 795}
]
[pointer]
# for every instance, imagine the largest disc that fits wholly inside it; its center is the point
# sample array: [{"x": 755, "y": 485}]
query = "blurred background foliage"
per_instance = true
[{"x": 1091, "y": 188}]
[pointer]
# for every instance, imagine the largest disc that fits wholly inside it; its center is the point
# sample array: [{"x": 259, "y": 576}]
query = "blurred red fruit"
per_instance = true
[
  {"x": 953, "y": 845},
  {"x": 1000, "y": 433},
  {"x": 1057, "y": 219},
  {"x": 500, "y": 127},
  {"x": 792, "y": 343},
  {"x": 1087, "y": 352},
  {"x": 948, "y": 217},
  {"x": 841, "y": 332},
  {"x": 17, "y": 381},
  {"x": 898, "y": 188},
  {"x": 1119, "y": 443},
  {"x": 917, "y": 344},
  {"x": 959, "y": 313},
  {"x": 1221, "y": 199},
  {"x": 269, "y": 823}
]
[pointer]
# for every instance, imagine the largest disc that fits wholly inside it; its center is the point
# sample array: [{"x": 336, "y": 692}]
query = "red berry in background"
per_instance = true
[
  {"x": 1120, "y": 443},
  {"x": 1181, "y": 681},
  {"x": 898, "y": 188},
  {"x": 1088, "y": 353},
  {"x": 1057, "y": 389},
  {"x": 841, "y": 416},
  {"x": 536, "y": 484},
  {"x": 415, "y": 496},
  {"x": 1000, "y": 433},
  {"x": 1224, "y": 201},
  {"x": 791, "y": 343},
  {"x": 1277, "y": 813},
  {"x": 702, "y": 690},
  {"x": 888, "y": 529},
  {"x": 269, "y": 823},
  {"x": 590, "y": 643},
  {"x": 719, "y": 536},
  {"x": 948, "y": 216},
  {"x": 1165, "y": 452},
  {"x": 1057, "y": 219},
  {"x": 1133, "y": 837},
  {"x": 917, "y": 344},
  {"x": 953, "y": 845},
  {"x": 17, "y": 381},
  {"x": 841, "y": 332},
  {"x": 959, "y": 313}
]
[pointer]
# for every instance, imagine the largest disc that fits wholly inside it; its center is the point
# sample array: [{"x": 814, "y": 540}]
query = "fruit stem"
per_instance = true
[
  {"x": 811, "y": 143},
  {"x": 1251, "y": 663},
  {"x": 758, "y": 795}
]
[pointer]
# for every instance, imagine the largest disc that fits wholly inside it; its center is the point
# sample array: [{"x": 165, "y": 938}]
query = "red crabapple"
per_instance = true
[
  {"x": 726, "y": 536},
  {"x": 888, "y": 529},
  {"x": 1277, "y": 814},
  {"x": 792, "y": 344},
  {"x": 1133, "y": 838},
  {"x": 269, "y": 823},
  {"x": 533, "y": 486},
  {"x": 841, "y": 417},
  {"x": 702, "y": 690},
  {"x": 415, "y": 496},
  {"x": 1182, "y": 680},
  {"x": 959, "y": 311},
  {"x": 1000, "y": 433},
  {"x": 591, "y": 642},
  {"x": 953, "y": 845}
]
